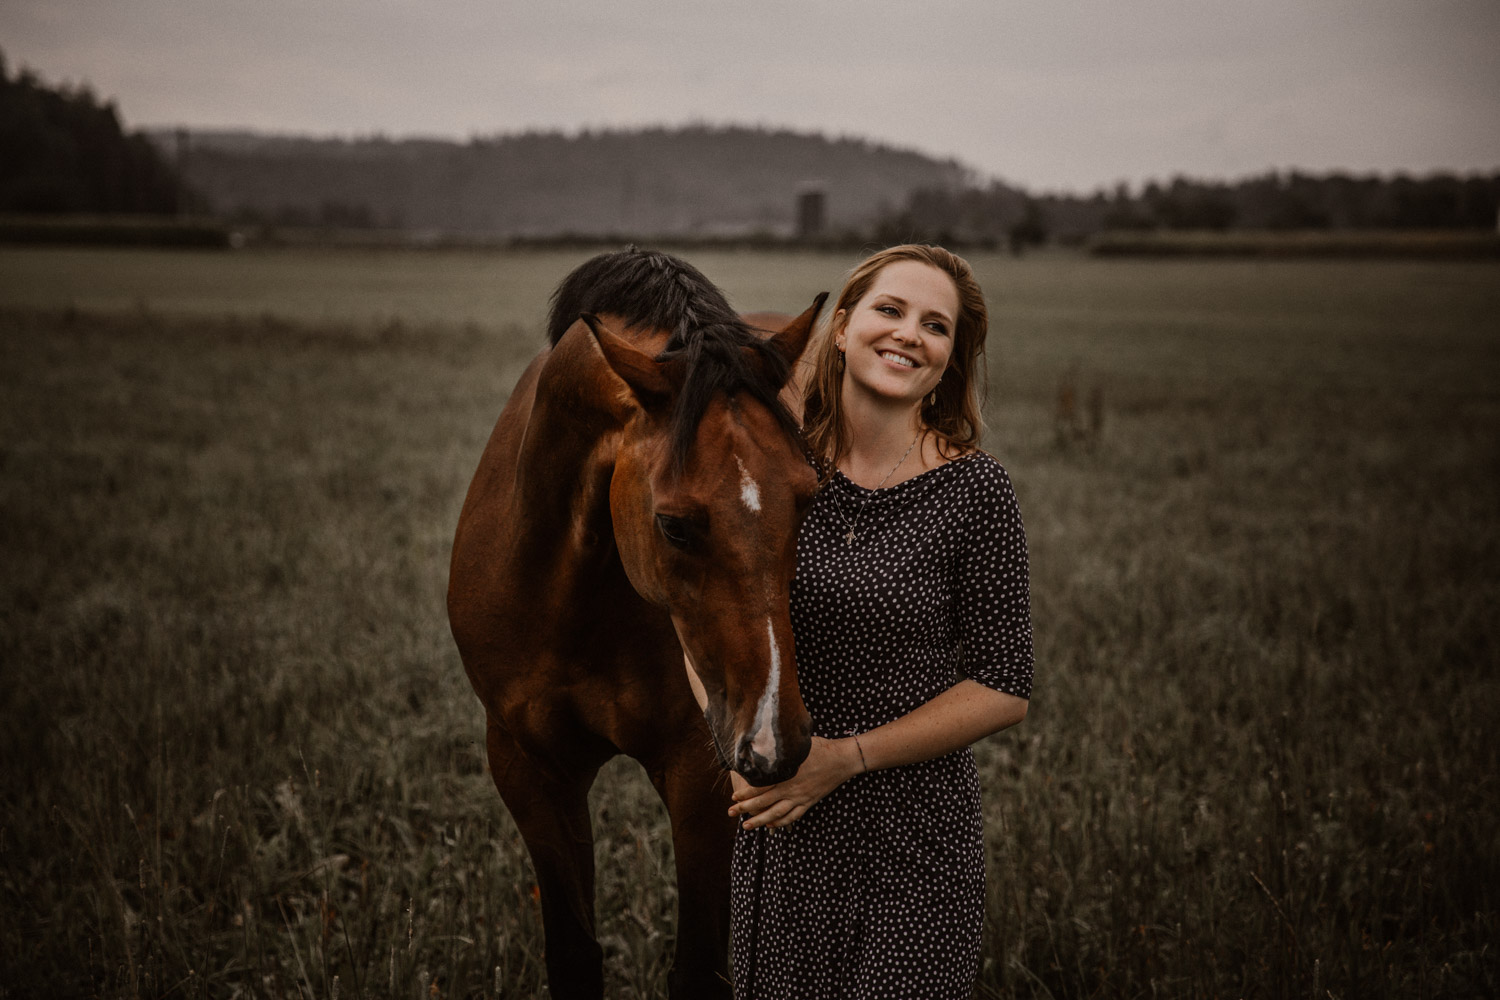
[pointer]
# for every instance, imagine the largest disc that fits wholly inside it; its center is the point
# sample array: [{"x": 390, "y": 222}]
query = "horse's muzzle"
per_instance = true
[{"x": 761, "y": 771}]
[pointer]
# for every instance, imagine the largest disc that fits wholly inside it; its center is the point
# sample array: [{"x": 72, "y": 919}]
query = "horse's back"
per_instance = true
[{"x": 768, "y": 324}]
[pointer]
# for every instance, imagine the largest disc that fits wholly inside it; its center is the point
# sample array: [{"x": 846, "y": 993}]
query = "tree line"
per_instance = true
[
  {"x": 66, "y": 152},
  {"x": 698, "y": 180},
  {"x": 1274, "y": 201}
]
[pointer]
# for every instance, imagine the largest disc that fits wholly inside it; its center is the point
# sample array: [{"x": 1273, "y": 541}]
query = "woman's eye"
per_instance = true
[
  {"x": 887, "y": 310},
  {"x": 938, "y": 328},
  {"x": 676, "y": 530}
]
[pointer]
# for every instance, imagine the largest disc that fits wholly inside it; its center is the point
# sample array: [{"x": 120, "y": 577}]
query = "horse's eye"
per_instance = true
[{"x": 677, "y": 530}]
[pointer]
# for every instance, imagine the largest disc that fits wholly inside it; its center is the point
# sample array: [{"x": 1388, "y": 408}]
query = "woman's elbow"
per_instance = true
[
  {"x": 1008, "y": 710},
  {"x": 1017, "y": 711}
]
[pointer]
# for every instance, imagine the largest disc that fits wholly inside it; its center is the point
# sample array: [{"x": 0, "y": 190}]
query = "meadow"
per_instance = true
[{"x": 241, "y": 758}]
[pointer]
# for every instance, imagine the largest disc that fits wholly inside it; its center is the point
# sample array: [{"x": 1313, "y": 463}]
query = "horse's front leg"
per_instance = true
[
  {"x": 551, "y": 809},
  {"x": 697, "y": 796}
]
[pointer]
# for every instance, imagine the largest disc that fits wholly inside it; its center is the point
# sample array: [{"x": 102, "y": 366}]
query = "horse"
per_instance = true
[{"x": 638, "y": 499}]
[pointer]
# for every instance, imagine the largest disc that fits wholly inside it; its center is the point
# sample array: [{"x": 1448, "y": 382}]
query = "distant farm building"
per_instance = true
[{"x": 812, "y": 211}]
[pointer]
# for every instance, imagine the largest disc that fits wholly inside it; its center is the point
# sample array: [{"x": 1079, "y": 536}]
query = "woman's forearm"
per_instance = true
[
  {"x": 966, "y": 712},
  {"x": 694, "y": 683}
]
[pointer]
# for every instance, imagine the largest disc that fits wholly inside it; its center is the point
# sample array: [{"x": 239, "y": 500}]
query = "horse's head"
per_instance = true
[{"x": 709, "y": 488}]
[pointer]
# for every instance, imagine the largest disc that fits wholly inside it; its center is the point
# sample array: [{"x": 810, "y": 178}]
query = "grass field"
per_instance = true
[{"x": 240, "y": 754}]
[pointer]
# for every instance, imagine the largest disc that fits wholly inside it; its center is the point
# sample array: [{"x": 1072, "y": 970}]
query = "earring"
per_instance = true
[
  {"x": 841, "y": 360},
  {"x": 932, "y": 396}
]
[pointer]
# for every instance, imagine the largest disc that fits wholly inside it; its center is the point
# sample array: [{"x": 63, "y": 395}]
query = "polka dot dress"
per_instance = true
[{"x": 878, "y": 891}]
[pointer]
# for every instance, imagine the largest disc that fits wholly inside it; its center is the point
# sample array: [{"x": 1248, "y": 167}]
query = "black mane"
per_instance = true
[{"x": 648, "y": 288}]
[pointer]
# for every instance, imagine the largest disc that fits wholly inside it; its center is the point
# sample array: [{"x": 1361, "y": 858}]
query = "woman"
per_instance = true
[{"x": 863, "y": 875}]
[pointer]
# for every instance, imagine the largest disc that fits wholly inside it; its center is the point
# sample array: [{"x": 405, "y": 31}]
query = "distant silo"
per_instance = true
[{"x": 812, "y": 203}]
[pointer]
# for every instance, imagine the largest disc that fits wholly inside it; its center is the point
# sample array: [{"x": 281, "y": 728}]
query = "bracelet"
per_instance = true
[{"x": 863, "y": 767}]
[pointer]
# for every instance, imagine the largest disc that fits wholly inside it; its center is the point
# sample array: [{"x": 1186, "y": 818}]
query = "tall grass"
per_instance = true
[{"x": 241, "y": 758}]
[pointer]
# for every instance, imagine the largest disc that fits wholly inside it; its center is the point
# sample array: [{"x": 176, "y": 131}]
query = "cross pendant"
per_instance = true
[{"x": 849, "y": 538}]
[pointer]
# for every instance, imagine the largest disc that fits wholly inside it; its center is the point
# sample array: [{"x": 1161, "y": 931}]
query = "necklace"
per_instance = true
[{"x": 838, "y": 505}]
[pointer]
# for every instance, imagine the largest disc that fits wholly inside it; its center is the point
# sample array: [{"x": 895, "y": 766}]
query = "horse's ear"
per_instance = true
[
  {"x": 792, "y": 341},
  {"x": 646, "y": 377}
]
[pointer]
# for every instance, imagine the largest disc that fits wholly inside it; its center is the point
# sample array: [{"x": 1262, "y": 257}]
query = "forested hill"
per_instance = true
[
  {"x": 63, "y": 150},
  {"x": 697, "y": 180}
]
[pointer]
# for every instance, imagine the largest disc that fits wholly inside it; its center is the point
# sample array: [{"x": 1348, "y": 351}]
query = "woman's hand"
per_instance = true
[
  {"x": 829, "y": 764},
  {"x": 964, "y": 713}
]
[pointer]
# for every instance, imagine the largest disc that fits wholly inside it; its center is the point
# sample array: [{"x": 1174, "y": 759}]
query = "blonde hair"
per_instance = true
[{"x": 955, "y": 414}]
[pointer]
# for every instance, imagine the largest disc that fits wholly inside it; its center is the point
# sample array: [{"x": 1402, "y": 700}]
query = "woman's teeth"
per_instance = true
[{"x": 889, "y": 356}]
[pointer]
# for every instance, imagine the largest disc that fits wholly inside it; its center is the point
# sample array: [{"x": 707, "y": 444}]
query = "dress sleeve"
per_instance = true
[{"x": 993, "y": 594}]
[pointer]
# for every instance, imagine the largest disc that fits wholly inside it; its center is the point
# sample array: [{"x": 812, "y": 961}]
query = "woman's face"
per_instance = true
[{"x": 897, "y": 339}]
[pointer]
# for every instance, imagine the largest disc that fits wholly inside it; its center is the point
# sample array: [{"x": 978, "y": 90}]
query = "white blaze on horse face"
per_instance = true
[
  {"x": 749, "y": 492},
  {"x": 764, "y": 740}
]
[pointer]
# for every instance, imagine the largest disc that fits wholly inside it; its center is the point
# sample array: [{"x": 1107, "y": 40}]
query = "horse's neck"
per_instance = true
[
  {"x": 563, "y": 469},
  {"x": 562, "y": 479}
]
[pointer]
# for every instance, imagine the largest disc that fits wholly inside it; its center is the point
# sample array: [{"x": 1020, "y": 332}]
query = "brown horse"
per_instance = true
[{"x": 639, "y": 496}]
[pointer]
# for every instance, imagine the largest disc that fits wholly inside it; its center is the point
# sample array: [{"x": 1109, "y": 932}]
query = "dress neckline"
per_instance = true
[{"x": 849, "y": 484}]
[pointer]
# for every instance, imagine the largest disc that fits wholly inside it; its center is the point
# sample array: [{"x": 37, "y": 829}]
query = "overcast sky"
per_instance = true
[{"x": 1051, "y": 94}]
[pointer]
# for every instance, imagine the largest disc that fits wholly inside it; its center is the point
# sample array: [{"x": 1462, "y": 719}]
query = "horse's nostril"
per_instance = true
[
  {"x": 760, "y": 770},
  {"x": 754, "y": 768},
  {"x": 747, "y": 761}
]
